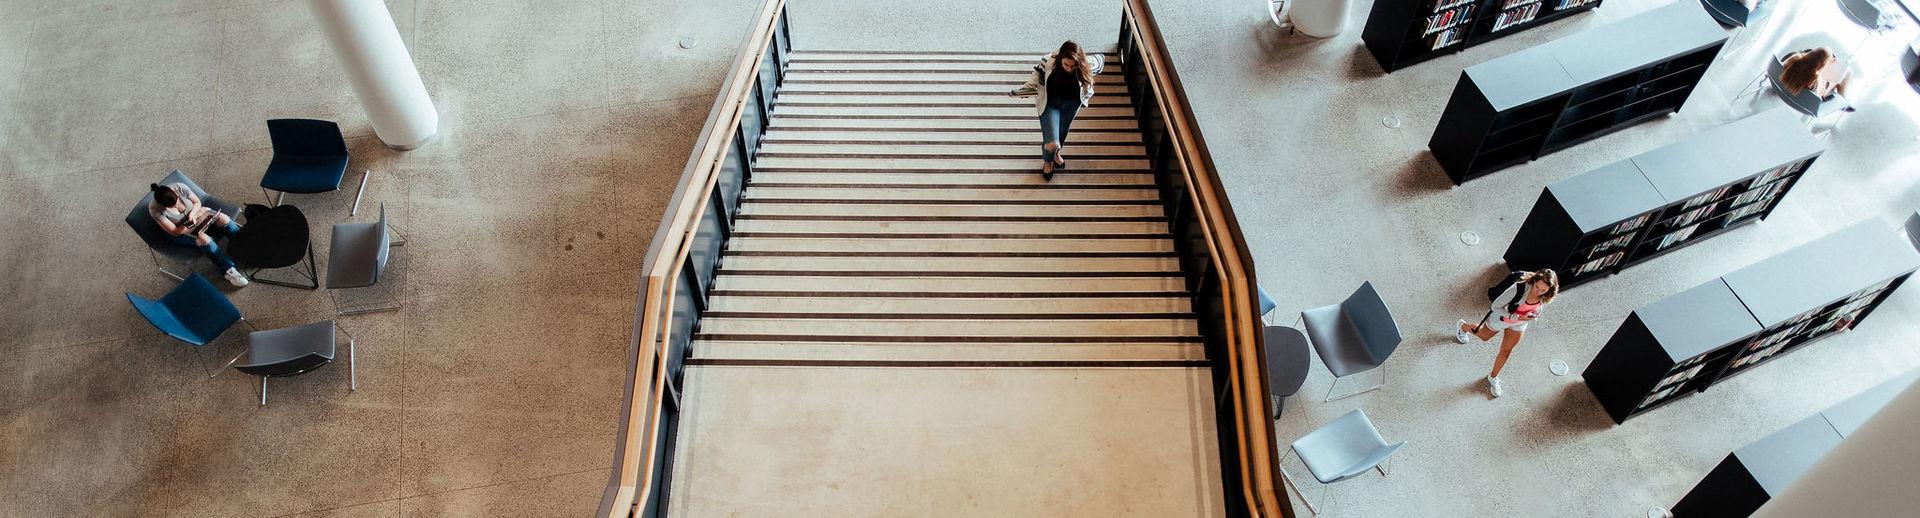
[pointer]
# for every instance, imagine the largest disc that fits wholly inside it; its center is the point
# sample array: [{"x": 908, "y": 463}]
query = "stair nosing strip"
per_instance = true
[
  {"x": 928, "y": 93},
  {"x": 937, "y": 274},
  {"x": 956, "y": 219},
  {"x": 1063, "y": 172},
  {"x": 908, "y": 116},
  {"x": 1009, "y": 131},
  {"x": 948, "y": 294},
  {"x": 823, "y": 201},
  {"x": 937, "y": 156},
  {"x": 959, "y": 186},
  {"x": 1023, "y": 142},
  {"x": 951, "y": 316},
  {"x": 758, "y": 337},
  {"x": 1058, "y": 255},
  {"x": 998, "y": 364},
  {"x": 950, "y": 235}
]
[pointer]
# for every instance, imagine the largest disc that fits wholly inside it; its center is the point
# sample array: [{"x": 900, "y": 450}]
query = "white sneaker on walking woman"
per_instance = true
[
  {"x": 1493, "y": 386},
  {"x": 1460, "y": 334},
  {"x": 234, "y": 277}
]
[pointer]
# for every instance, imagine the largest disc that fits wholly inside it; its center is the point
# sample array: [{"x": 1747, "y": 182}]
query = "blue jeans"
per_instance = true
[
  {"x": 212, "y": 249},
  {"x": 1054, "y": 122}
]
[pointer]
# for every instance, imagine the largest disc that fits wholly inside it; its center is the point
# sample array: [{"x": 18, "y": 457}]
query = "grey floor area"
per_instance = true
[{"x": 493, "y": 392}]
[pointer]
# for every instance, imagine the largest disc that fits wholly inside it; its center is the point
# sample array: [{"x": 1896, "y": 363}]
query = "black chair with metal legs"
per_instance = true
[
  {"x": 1287, "y": 364},
  {"x": 292, "y": 351},
  {"x": 1354, "y": 336}
]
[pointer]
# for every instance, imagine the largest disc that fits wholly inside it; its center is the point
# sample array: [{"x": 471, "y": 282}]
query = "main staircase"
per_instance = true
[{"x": 908, "y": 321}]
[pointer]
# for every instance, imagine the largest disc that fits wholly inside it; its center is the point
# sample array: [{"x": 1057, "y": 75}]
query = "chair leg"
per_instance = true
[
  {"x": 223, "y": 368},
  {"x": 162, "y": 268},
  {"x": 1336, "y": 382},
  {"x": 312, "y": 274},
  {"x": 263, "y": 391},
  {"x": 282, "y": 195},
  {"x": 362, "y": 191},
  {"x": 1288, "y": 479},
  {"x": 353, "y": 371}
]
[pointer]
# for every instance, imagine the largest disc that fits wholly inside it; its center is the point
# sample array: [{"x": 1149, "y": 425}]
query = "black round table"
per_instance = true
[{"x": 274, "y": 237}]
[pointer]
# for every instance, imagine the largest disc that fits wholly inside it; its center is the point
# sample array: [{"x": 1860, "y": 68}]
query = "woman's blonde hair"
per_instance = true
[
  {"x": 1545, "y": 274},
  {"x": 1802, "y": 71},
  {"x": 1071, "y": 50}
]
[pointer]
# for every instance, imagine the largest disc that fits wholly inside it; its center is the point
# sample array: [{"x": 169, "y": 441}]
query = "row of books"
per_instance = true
[
  {"x": 1705, "y": 198},
  {"x": 1776, "y": 174},
  {"x": 1674, "y": 237},
  {"x": 1569, "y": 4},
  {"x": 1631, "y": 224},
  {"x": 1516, "y": 17},
  {"x": 1743, "y": 212},
  {"x": 1450, "y": 36},
  {"x": 1616, "y": 242},
  {"x": 1677, "y": 378},
  {"x": 1441, "y": 5},
  {"x": 1751, "y": 196},
  {"x": 1599, "y": 264},
  {"x": 1509, "y": 4},
  {"x": 1449, "y": 18},
  {"x": 1689, "y": 217}
]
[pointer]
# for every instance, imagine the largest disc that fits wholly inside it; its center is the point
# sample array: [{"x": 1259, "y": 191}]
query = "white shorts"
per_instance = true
[{"x": 1497, "y": 324}]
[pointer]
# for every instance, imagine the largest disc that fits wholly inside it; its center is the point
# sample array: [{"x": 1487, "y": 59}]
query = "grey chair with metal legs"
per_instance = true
[
  {"x": 1812, "y": 108},
  {"x": 1912, "y": 230},
  {"x": 1287, "y": 363},
  {"x": 359, "y": 257},
  {"x": 293, "y": 351},
  {"x": 1354, "y": 336},
  {"x": 158, "y": 243},
  {"x": 1340, "y": 450}
]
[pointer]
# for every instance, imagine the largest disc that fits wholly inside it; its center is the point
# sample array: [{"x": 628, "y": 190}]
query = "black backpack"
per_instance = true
[{"x": 1511, "y": 279}]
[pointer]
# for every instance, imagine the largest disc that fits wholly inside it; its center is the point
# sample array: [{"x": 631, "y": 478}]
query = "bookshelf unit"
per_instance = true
[
  {"x": 1401, "y": 33},
  {"x": 1634, "y": 210},
  {"x": 1750, "y": 476},
  {"x": 1683, "y": 344},
  {"x": 1518, "y": 107}
]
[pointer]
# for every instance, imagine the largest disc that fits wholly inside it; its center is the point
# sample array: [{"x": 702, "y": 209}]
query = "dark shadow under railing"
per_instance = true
[
  {"x": 1219, "y": 268},
  {"x": 678, "y": 271}
]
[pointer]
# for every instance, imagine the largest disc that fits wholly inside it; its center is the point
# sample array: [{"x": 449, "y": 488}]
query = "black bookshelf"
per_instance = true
[
  {"x": 1518, "y": 107},
  {"x": 1401, "y": 33},
  {"x": 1631, "y": 211},
  {"x": 1683, "y": 344},
  {"x": 1751, "y": 476}
]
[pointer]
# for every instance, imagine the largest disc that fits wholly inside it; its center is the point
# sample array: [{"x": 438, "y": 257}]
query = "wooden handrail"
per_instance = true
[
  {"x": 1232, "y": 263},
  {"x": 644, "y": 398}
]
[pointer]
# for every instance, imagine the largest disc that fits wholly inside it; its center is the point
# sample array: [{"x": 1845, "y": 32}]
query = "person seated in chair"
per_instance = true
[
  {"x": 1813, "y": 70},
  {"x": 186, "y": 221}
]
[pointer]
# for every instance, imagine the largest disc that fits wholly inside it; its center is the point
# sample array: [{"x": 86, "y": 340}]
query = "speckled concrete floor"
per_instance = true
[{"x": 493, "y": 391}]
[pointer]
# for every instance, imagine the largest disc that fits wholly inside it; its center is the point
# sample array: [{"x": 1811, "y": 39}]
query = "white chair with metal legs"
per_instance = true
[
  {"x": 358, "y": 258},
  {"x": 1354, "y": 336},
  {"x": 1339, "y": 451}
]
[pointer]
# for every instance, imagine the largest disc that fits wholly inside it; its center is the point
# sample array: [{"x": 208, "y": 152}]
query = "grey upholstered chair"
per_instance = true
[
  {"x": 1287, "y": 363},
  {"x": 359, "y": 257},
  {"x": 1913, "y": 230},
  {"x": 292, "y": 351},
  {"x": 1354, "y": 336},
  {"x": 157, "y": 242},
  {"x": 1340, "y": 450}
]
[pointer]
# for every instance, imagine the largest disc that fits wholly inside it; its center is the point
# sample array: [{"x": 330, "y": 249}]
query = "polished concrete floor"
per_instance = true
[{"x": 493, "y": 391}]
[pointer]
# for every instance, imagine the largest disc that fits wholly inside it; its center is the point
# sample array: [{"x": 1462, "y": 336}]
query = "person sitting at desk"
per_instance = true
[
  {"x": 186, "y": 222},
  {"x": 1813, "y": 70}
]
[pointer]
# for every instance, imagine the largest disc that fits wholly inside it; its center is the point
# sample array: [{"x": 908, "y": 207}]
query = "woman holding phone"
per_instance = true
[{"x": 1509, "y": 314}]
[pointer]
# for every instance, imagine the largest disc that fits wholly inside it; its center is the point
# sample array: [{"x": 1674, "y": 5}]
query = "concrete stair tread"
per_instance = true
[
  {"x": 996, "y": 97},
  {"x": 1035, "y": 265},
  {"x": 1021, "y": 194},
  {"x": 970, "y": 90},
  {"x": 799, "y": 65},
  {"x": 906, "y": 285},
  {"x": 877, "y": 178},
  {"x": 1006, "y": 111},
  {"x": 952, "y": 210},
  {"x": 757, "y": 441},
  {"x": 956, "y": 227},
  {"x": 1028, "y": 163},
  {"x": 895, "y": 55},
  {"x": 1025, "y": 308},
  {"x": 938, "y": 138},
  {"x": 1023, "y": 150},
  {"x": 741, "y": 349},
  {"x": 910, "y": 330},
  {"x": 1011, "y": 78},
  {"x": 1023, "y": 126},
  {"x": 894, "y": 244}
]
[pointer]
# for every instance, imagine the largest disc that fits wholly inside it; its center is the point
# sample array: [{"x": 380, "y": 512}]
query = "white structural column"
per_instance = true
[
  {"x": 1875, "y": 471},
  {"x": 1321, "y": 18},
  {"x": 376, "y": 61}
]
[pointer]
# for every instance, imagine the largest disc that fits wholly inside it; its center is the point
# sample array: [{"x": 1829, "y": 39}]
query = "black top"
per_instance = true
[
  {"x": 272, "y": 238},
  {"x": 1062, "y": 84}
]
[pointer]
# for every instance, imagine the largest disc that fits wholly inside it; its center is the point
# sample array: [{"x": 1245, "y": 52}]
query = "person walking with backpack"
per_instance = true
[
  {"x": 1515, "y": 303},
  {"x": 1062, "y": 83}
]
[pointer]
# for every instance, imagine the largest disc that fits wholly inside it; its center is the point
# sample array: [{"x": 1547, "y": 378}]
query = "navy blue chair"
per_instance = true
[
  {"x": 157, "y": 240},
  {"x": 194, "y": 312},
  {"x": 292, "y": 351},
  {"x": 309, "y": 156}
]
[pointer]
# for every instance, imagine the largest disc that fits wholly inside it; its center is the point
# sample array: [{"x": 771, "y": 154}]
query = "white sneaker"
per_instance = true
[
  {"x": 1493, "y": 386},
  {"x": 234, "y": 277},
  {"x": 1459, "y": 335}
]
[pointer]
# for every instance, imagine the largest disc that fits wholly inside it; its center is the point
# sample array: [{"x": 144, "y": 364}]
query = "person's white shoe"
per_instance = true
[
  {"x": 1460, "y": 335},
  {"x": 1493, "y": 386},
  {"x": 234, "y": 277}
]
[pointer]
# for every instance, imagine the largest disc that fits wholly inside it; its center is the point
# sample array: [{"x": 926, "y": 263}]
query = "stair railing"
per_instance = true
[
  {"x": 679, "y": 266},
  {"x": 1219, "y": 268}
]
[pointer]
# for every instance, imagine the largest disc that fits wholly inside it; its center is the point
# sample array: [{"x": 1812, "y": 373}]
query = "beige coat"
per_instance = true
[{"x": 1036, "y": 85}]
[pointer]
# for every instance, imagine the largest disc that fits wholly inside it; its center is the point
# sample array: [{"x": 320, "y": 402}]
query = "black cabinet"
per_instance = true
[
  {"x": 1683, "y": 344},
  {"x": 1753, "y": 474},
  {"x": 1517, "y": 107},
  {"x": 1634, "y": 210},
  {"x": 1400, "y": 33}
]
